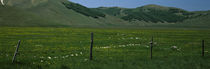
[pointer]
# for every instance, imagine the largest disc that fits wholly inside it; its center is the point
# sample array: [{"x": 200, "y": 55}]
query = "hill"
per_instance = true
[
  {"x": 149, "y": 13},
  {"x": 63, "y": 13}
]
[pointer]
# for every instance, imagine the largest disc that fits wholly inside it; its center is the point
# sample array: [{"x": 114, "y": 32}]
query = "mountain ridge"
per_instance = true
[{"x": 63, "y": 13}]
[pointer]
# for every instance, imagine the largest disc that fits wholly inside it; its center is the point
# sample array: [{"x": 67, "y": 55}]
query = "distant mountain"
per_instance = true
[
  {"x": 149, "y": 13},
  {"x": 62, "y": 13}
]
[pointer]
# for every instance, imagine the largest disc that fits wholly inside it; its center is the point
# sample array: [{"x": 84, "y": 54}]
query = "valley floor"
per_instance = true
[{"x": 68, "y": 48}]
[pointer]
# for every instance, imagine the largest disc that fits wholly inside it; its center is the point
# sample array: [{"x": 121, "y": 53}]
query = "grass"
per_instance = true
[{"x": 68, "y": 48}]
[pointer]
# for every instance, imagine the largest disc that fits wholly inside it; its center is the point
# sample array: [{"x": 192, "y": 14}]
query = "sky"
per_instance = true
[{"x": 190, "y": 5}]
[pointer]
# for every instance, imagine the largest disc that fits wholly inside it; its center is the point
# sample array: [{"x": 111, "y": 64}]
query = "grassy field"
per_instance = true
[{"x": 68, "y": 48}]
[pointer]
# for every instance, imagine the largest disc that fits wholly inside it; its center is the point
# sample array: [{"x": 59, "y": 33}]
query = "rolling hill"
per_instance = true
[
  {"x": 63, "y": 13},
  {"x": 149, "y": 13}
]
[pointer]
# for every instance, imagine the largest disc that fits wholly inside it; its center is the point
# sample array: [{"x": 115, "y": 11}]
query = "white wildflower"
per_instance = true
[
  {"x": 133, "y": 44},
  {"x": 55, "y": 57},
  {"x": 131, "y": 37},
  {"x": 63, "y": 57},
  {"x": 2, "y": 2},
  {"x": 137, "y": 38},
  {"x": 105, "y": 47},
  {"x": 42, "y": 61},
  {"x": 49, "y": 58},
  {"x": 72, "y": 54},
  {"x": 123, "y": 46},
  {"x": 86, "y": 59},
  {"x": 174, "y": 47},
  {"x": 81, "y": 53},
  {"x": 76, "y": 54},
  {"x": 67, "y": 55},
  {"x": 41, "y": 57}
]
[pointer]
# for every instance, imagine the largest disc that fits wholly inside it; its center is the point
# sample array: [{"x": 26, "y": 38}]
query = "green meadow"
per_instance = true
[{"x": 68, "y": 48}]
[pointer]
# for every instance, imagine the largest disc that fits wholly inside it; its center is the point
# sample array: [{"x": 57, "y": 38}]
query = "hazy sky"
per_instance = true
[{"x": 190, "y": 5}]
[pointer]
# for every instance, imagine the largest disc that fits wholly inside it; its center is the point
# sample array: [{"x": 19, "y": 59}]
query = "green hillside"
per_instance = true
[
  {"x": 55, "y": 13},
  {"x": 10, "y": 16},
  {"x": 62, "y": 13},
  {"x": 149, "y": 13},
  {"x": 83, "y": 10}
]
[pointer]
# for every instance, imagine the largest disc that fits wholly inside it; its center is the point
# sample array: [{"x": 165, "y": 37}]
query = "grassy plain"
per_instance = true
[{"x": 68, "y": 48}]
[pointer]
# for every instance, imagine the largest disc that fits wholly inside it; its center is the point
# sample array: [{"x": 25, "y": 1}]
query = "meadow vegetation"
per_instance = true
[{"x": 68, "y": 48}]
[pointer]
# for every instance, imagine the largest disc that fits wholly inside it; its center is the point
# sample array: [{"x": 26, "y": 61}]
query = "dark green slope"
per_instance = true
[
  {"x": 201, "y": 21},
  {"x": 149, "y": 13}
]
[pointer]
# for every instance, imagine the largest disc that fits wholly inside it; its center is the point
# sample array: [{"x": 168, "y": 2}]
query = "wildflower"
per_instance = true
[
  {"x": 105, "y": 47},
  {"x": 67, "y": 55},
  {"x": 178, "y": 49},
  {"x": 133, "y": 44},
  {"x": 131, "y": 37},
  {"x": 41, "y": 57},
  {"x": 86, "y": 59},
  {"x": 174, "y": 47},
  {"x": 63, "y": 57},
  {"x": 49, "y": 58},
  {"x": 137, "y": 38},
  {"x": 72, "y": 54},
  {"x": 81, "y": 53},
  {"x": 42, "y": 61},
  {"x": 76, "y": 54},
  {"x": 123, "y": 45},
  {"x": 147, "y": 46}
]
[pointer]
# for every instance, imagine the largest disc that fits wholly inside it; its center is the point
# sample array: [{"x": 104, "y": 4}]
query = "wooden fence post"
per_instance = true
[
  {"x": 151, "y": 43},
  {"x": 203, "y": 48},
  {"x": 91, "y": 47},
  {"x": 16, "y": 52}
]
